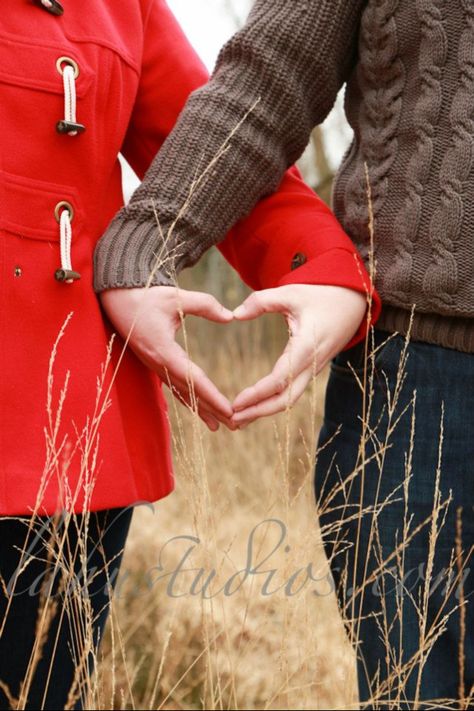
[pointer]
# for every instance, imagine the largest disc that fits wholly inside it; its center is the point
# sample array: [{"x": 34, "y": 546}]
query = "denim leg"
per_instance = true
[
  {"x": 61, "y": 651},
  {"x": 373, "y": 498}
]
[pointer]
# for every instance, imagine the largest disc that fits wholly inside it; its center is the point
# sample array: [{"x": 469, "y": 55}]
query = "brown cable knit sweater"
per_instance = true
[{"x": 409, "y": 68}]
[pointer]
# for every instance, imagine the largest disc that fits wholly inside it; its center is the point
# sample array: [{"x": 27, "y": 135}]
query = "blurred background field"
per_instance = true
[{"x": 244, "y": 648}]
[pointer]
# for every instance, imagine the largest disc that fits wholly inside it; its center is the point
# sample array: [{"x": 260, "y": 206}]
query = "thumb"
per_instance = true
[
  {"x": 197, "y": 303},
  {"x": 258, "y": 303}
]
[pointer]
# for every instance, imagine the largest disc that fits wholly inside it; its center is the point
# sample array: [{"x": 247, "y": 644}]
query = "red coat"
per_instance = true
[{"x": 136, "y": 70}]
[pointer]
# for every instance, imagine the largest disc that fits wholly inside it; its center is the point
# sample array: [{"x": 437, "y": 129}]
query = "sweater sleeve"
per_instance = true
[{"x": 274, "y": 80}]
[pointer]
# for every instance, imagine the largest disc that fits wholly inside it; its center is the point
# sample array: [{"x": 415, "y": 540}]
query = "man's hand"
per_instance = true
[
  {"x": 321, "y": 321},
  {"x": 150, "y": 318}
]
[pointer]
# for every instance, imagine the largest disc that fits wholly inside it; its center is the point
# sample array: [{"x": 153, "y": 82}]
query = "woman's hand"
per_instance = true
[
  {"x": 321, "y": 321},
  {"x": 149, "y": 319}
]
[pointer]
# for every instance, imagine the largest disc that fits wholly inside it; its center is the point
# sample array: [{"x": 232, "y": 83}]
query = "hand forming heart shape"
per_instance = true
[{"x": 321, "y": 320}]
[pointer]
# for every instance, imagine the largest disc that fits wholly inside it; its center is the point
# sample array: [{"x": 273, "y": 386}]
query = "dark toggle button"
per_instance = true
[
  {"x": 66, "y": 275},
  {"x": 64, "y": 126},
  {"x": 298, "y": 260},
  {"x": 52, "y": 6}
]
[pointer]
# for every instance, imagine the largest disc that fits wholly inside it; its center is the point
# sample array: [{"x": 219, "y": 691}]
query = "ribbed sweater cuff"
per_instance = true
[
  {"x": 132, "y": 254},
  {"x": 446, "y": 331}
]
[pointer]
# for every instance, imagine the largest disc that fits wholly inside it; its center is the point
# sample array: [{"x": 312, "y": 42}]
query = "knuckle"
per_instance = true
[{"x": 281, "y": 385}]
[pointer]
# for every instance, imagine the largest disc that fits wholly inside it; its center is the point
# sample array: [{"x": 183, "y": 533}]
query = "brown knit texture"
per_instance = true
[{"x": 409, "y": 68}]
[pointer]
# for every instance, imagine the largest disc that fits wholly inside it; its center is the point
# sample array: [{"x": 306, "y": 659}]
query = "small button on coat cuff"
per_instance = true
[
  {"x": 298, "y": 260},
  {"x": 52, "y": 6}
]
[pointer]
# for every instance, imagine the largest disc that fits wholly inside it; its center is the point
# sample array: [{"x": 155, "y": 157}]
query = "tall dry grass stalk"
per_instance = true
[{"x": 190, "y": 626}]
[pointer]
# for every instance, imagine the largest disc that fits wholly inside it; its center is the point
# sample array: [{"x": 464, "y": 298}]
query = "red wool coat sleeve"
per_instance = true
[{"x": 293, "y": 221}]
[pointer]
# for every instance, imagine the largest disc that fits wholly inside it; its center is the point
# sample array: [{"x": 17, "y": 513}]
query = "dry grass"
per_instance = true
[
  {"x": 225, "y": 625},
  {"x": 213, "y": 636},
  {"x": 248, "y": 649}
]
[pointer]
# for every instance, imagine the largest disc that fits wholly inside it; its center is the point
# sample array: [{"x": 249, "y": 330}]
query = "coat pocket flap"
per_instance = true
[
  {"x": 33, "y": 66},
  {"x": 28, "y": 206}
]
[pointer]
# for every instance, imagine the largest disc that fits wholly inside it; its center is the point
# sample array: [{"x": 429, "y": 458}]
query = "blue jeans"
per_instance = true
[
  {"x": 95, "y": 574},
  {"x": 382, "y": 522}
]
